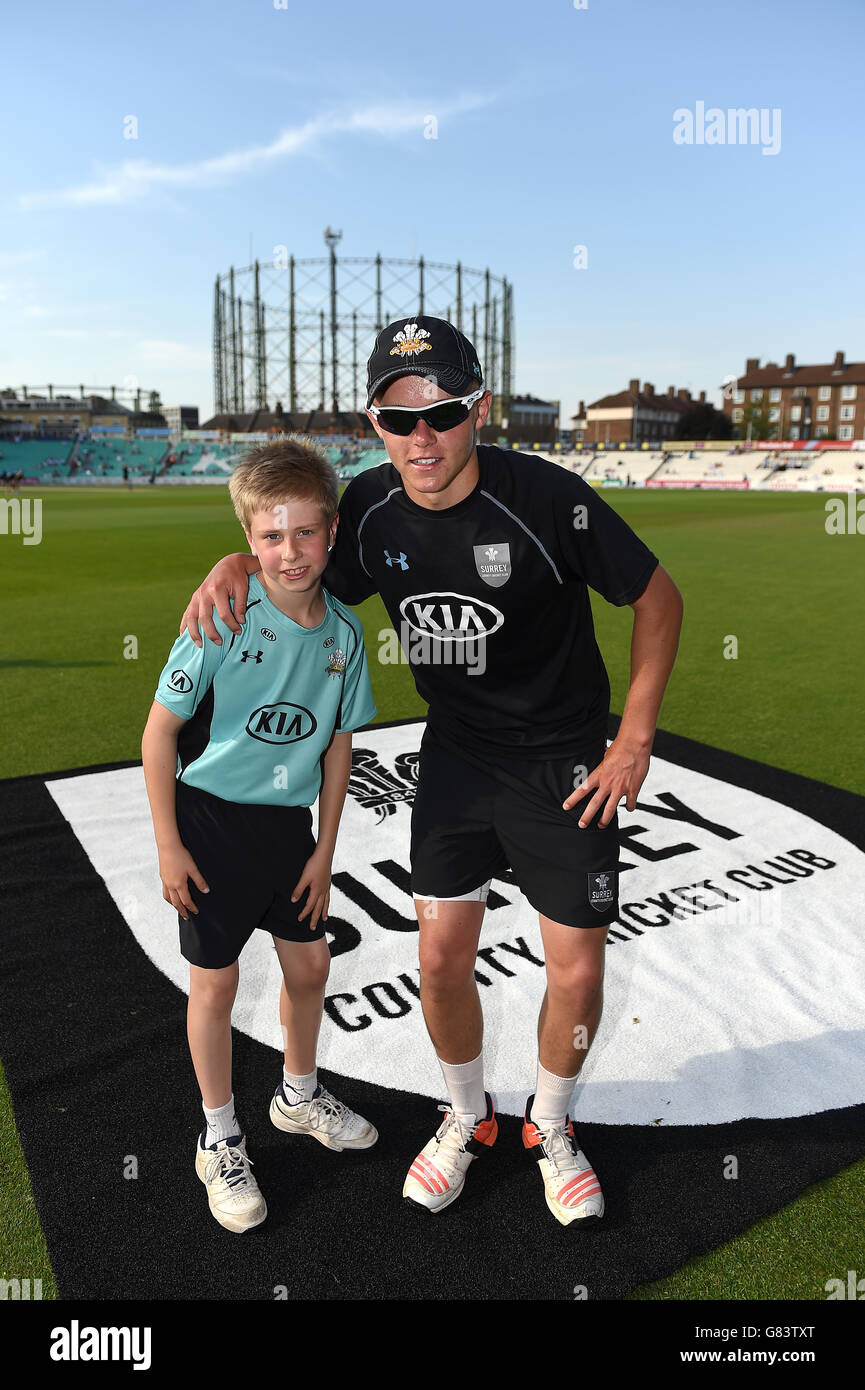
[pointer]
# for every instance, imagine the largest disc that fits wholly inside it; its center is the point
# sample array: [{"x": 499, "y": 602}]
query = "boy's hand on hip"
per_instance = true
[
  {"x": 315, "y": 877},
  {"x": 618, "y": 777},
  {"x": 176, "y": 868}
]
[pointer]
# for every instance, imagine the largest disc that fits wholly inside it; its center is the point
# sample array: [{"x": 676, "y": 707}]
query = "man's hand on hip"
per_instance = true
[
  {"x": 617, "y": 777},
  {"x": 229, "y": 579}
]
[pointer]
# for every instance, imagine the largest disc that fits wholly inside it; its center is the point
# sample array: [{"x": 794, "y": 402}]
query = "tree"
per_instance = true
[
  {"x": 703, "y": 421},
  {"x": 154, "y": 404},
  {"x": 756, "y": 414}
]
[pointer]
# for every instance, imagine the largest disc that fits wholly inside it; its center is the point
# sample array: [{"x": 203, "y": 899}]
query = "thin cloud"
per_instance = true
[
  {"x": 136, "y": 178},
  {"x": 44, "y": 311},
  {"x": 12, "y": 258},
  {"x": 165, "y": 354}
]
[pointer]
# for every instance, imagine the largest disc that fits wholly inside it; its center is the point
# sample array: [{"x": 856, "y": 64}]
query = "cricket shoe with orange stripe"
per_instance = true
[
  {"x": 437, "y": 1176},
  {"x": 572, "y": 1190}
]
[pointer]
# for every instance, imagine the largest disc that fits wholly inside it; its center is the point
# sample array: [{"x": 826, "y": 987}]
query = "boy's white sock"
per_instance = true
[
  {"x": 298, "y": 1089},
  {"x": 465, "y": 1085},
  {"x": 552, "y": 1097},
  {"x": 221, "y": 1123}
]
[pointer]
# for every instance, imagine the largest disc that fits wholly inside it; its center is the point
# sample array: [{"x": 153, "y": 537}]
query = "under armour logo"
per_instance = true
[
  {"x": 253, "y": 656},
  {"x": 398, "y": 560}
]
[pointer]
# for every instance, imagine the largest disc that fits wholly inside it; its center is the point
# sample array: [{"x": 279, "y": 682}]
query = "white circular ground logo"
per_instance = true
[{"x": 734, "y": 972}]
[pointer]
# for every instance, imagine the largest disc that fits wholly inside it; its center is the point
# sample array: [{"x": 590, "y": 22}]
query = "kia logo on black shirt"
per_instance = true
[{"x": 451, "y": 617}]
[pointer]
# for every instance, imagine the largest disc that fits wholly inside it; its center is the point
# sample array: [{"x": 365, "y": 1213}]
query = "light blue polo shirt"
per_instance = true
[{"x": 261, "y": 708}]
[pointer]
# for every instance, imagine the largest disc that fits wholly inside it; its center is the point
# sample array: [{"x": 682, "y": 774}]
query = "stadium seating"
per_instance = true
[
  {"x": 616, "y": 465},
  {"x": 816, "y": 471},
  {"x": 103, "y": 458},
  {"x": 45, "y": 459},
  {"x": 106, "y": 458},
  {"x": 687, "y": 467}
]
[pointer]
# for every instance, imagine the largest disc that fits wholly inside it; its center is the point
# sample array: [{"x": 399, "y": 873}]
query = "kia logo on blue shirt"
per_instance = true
[{"x": 281, "y": 723}]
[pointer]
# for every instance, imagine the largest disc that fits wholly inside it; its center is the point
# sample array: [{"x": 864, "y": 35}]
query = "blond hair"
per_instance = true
[{"x": 287, "y": 468}]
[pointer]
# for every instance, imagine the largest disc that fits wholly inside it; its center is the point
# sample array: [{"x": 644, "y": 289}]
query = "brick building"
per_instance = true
[
  {"x": 530, "y": 418},
  {"x": 826, "y": 401},
  {"x": 36, "y": 416},
  {"x": 632, "y": 416}
]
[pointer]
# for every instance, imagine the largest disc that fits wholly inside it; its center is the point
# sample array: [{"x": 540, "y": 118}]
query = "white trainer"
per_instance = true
[
  {"x": 234, "y": 1195},
  {"x": 571, "y": 1187},
  {"x": 325, "y": 1119},
  {"x": 437, "y": 1176}
]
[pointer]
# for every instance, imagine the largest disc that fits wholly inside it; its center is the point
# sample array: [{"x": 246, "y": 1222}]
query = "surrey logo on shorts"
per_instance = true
[
  {"x": 493, "y": 563},
  {"x": 409, "y": 341},
  {"x": 180, "y": 682},
  {"x": 602, "y": 890}
]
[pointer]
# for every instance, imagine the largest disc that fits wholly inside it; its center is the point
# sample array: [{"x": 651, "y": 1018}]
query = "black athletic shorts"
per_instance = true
[
  {"x": 472, "y": 820},
  {"x": 250, "y": 857}
]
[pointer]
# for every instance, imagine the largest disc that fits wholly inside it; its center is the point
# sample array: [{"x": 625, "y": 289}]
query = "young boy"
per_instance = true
[{"x": 241, "y": 739}]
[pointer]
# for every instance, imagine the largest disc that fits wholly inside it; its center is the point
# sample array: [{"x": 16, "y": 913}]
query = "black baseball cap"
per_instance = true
[{"x": 423, "y": 346}]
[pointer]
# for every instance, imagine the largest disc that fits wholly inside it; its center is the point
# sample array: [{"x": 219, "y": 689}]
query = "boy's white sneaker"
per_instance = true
[
  {"x": 234, "y": 1195},
  {"x": 325, "y": 1119}
]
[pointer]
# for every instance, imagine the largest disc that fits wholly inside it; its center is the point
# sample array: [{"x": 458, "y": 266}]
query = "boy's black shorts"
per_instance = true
[
  {"x": 250, "y": 857},
  {"x": 473, "y": 819}
]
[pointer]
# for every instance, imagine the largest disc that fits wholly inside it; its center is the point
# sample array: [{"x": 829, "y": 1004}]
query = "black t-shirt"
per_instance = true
[{"x": 490, "y": 598}]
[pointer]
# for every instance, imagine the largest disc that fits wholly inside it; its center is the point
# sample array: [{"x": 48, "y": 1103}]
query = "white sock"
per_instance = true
[
  {"x": 552, "y": 1097},
  {"x": 299, "y": 1089},
  {"x": 221, "y": 1123},
  {"x": 465, "y": 1085}
]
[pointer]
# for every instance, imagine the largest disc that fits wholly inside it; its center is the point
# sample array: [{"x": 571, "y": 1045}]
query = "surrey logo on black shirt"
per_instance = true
[{"x": 493, "y": 563}]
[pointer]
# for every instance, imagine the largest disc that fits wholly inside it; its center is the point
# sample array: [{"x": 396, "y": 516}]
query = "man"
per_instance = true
[{"x": 482, "y": 558}]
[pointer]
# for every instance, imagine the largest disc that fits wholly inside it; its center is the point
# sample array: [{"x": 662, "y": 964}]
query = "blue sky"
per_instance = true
[{"x": 555, "y": 129}]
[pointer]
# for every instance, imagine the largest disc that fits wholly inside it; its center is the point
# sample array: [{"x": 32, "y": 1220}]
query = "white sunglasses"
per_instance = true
[{"x": 440, "y": 415}]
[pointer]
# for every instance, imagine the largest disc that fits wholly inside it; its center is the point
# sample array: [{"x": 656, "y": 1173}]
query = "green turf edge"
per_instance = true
[
  {"x": 23, "y": 1251},
  {"x": 789, "y": 1255}
]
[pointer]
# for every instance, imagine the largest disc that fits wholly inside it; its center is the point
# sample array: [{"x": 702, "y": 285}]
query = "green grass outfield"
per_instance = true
[{"x": 114, "y": 566}]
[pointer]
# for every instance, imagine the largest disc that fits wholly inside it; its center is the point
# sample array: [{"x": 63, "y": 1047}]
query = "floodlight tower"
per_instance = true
[{"x": 331, "y": 241}]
